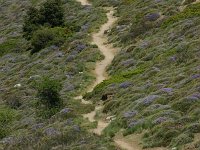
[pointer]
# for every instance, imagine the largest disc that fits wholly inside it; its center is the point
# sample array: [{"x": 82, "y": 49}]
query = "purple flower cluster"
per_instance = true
[
  {"x": 160, "y": 120},
  {"x": 130, "y": 114},
  {"x": 80, "y": 47},
  {"x": 152, "y": 16},
  {"x": 65, "y": 111},
  {"x": 167, "y": 90},
  {"x": 173, "y": 58},
  {"x": 128, "y": 62},
  {"x": 52, "y": 132},
  {"x": 194, "y": 97},
  {"x": 195, "y": 76},
  {"x": 135, "y": 123},
  {"x": 125, "y": 84},
  {"x": 149, "y": 99}
]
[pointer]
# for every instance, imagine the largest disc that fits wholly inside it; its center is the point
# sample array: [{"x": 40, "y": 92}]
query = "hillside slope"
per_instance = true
[
  {"x": 147, "y": 98},
  {"x": 154, "y": 83},
  {"x": 23, "y": 125}
]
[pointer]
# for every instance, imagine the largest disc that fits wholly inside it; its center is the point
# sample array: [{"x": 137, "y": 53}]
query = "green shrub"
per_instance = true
[
  {"x": 50, "y": 14},
  {"x": 48, "y": 93},
  {"x": 48, "y": 36},
  {"x": 31, "y": 22}
]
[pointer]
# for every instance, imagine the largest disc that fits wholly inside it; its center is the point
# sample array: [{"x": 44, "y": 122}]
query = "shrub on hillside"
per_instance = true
[
  {"x": 46, "y": 37},
  {"x": 50, "y": 14},
  {"x": 49, "y": 101},
  {"x": 31, "y": 22},
  {"x": 48, "y": 92}
]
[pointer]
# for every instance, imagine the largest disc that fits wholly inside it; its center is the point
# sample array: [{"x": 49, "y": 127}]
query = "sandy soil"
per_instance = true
[
  {"x": 84, "y": 2},
  {"x": 100, "y": 70}
]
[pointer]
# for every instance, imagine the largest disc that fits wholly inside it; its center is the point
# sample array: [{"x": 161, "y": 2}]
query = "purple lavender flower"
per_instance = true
[
  {"x": 149, "y": 99},
  {"x": 173, "y": 58},
  {"x": 152, "y": 16},
  {"x": 135, "y": 123},
  {"x": 125, "y": 84},
  {"x": 160, "y": 120},
  {"x": 195, "y": 76},
  {"x": 167, "y": 90},
  {"x": 51, "y": 132},
  {"x": 128, "y": 62},
  {"x": 80, "y": 47},
  {"x": 130, "y": 114},
  {"x": 65, "y": 111}
]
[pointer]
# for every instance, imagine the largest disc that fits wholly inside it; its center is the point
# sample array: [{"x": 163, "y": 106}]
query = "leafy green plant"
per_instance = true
[
  {"x": 48, "y": 36},
  {"x": 52, "y": 13},
  {"x": 31, "y": 22},
  {"x": 48, "y": 93}
]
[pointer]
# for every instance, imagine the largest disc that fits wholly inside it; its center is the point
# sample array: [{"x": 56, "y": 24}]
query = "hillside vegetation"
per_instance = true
[
  {"x": 154, "y": 79},
  {"x": 39, "y": 78},
  {"x": 47, "y": 59}
]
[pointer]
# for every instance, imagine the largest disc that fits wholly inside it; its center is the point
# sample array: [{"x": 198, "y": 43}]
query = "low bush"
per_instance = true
[
  {"x": 48, "y": 36},
  {"x": 50, "y": 14},
  {"x": 49, "y": 101},
  {"x": 48, "y": 92}
]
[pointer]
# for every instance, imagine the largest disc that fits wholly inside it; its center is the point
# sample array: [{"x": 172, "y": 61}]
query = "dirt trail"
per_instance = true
[
  {"x": 100, "y": 69},
  {"x": 84, "y": 2},
  {"x": 129, "y": 142}
]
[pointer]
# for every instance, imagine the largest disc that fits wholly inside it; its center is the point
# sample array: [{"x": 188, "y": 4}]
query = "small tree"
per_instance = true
[
  {"x": 52, "y": 13},
  {"x": 48, "y": 93},
  {"x": 48, "y": 36},
  {"x": 32, "y": 21},
  {"x": 41, "y": 38}
]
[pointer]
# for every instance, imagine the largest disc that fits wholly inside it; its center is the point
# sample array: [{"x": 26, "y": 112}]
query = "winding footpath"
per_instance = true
[
  {"x": 131, "y": 142},
  {"x": 100, "y": 69}
]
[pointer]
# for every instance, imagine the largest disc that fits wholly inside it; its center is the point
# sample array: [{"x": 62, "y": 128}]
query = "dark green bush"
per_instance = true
[
  {"x": 50, "y": 14},
  {"x": 46, "y": 37},
  {"x": 32, "y": 22},
  {"x": 48, "y": 93}
]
